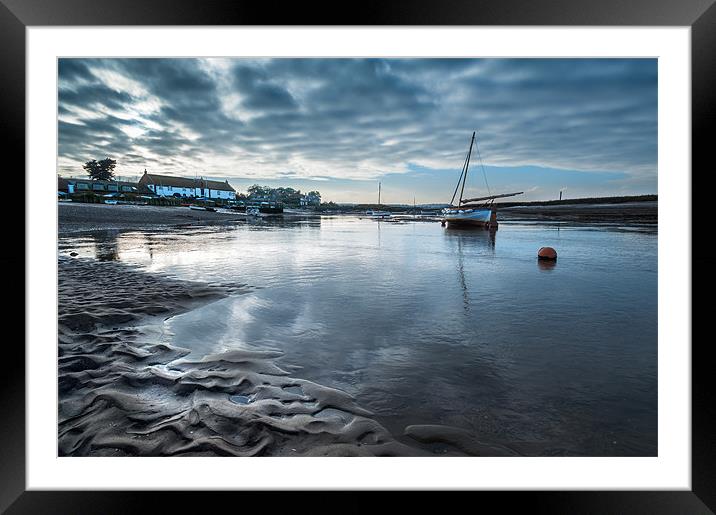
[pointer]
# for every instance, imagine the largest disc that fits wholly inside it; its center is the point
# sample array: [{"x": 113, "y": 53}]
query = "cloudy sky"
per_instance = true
[{"x": 586, "y": 126}]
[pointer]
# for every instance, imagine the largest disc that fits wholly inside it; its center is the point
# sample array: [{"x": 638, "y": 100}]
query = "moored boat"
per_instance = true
[
  {"x": 265, "y": 207},
  {"x": 472, "y": 212},
  {"x": 377, "y": 213},
  {"x": 479, "y": 217},
  {"x": 264, "y": 210},
  {"x": 202, "y": 208}
]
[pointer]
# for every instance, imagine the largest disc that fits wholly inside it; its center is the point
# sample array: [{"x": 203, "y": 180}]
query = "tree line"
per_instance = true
[{"x": 288, "y": 196}]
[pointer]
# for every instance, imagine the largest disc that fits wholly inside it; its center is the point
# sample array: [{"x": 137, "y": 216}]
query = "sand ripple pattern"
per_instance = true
[{"x": 122, "y": 394}]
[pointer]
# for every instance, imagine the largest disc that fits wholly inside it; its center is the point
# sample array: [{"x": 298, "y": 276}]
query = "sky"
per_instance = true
[{"x": 587, "y": 127}]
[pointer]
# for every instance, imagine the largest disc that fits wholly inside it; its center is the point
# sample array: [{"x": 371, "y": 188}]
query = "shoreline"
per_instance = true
[
  {"x": 80, "y": 217},
  {"x": 77, "y": 218}
]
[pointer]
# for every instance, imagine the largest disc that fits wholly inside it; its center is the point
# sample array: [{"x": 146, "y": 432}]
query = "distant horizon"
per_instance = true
[
  {"x": 135, "y": 178},
  {"x": 586, "y": 127}
]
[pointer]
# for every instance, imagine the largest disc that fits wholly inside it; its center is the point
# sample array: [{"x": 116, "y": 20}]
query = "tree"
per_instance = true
[
  {"x": 100, "y": 170},
  {"x": 257, "y": 190}
]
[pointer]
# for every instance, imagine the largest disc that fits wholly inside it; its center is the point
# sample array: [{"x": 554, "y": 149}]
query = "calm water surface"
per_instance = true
[{"x": 425, "y": 325}]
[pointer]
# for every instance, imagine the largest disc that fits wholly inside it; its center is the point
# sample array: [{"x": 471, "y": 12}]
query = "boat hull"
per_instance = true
[
  {"x": 468, "y": 217},
  {"x": 271, "y": 210}
]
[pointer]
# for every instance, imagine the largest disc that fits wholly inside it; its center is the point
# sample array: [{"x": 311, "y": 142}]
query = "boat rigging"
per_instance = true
[{"x": 465, "y": 213}]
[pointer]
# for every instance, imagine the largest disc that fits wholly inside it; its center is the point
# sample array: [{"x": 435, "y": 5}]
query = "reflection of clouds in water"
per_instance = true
[
  {"x": 387, "y": 323},
  {"x": 394, "y": 354},
  {"x": 219, "y": 326},
  {"x": 205, "y": 255},
  {"x": 306, "y": 322}
]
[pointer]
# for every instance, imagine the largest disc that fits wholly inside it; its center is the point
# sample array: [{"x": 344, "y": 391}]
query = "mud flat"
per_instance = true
[
  {"x": 123, "y": 394},
  {"x": 645, "y": 213},
  {"x": 74, "y": 217}
]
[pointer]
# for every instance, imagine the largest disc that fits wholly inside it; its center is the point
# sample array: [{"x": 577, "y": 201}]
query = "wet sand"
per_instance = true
[
  {"x": 121, "y": 393},
  {"x": 74, "y": 217}
]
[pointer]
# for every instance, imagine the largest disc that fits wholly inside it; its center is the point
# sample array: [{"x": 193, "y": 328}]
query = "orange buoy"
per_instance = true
[{"x": 547, "y": 253}]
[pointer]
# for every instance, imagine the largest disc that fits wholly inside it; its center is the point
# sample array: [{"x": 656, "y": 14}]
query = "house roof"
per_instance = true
[
  {"x": 63, "y": 182},
  {"x": 74, "y": 180},
  {"x": 184, "y": 182}
]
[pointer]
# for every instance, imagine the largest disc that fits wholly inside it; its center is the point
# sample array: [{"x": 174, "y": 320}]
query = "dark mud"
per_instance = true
[{"x": 642, "y": 213}]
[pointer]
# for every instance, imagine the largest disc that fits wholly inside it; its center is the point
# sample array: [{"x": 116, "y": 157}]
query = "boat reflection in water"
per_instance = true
[
  {"x": 469, "y": 243},
  {"x": 469, "y": 237}
]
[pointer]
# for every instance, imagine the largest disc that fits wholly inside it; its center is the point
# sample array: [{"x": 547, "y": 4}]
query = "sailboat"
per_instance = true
[
  {"x": 377, "y": 213},
  {"x": 476, "y": 212}
]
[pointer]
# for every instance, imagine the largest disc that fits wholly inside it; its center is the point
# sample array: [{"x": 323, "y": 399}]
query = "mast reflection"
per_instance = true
[{"x": 474, "y": 242}]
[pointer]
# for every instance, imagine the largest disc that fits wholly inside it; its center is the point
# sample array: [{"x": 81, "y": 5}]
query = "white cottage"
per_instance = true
[{"x": 169, "y": 186}]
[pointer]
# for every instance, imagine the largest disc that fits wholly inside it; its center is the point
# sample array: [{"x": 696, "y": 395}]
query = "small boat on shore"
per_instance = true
[
  {"x": 202, "y": 208},
  {"x": 472, "y": 212},
  {"x": 259, "y": 212},
  {"x": 264, "y": 207},
  {"x": 378, "y": 214}
]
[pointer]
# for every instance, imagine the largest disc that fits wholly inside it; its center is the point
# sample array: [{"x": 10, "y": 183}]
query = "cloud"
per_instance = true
[
  {"x": 357, "y": 118},
  {"x": 259, "y": 93}
]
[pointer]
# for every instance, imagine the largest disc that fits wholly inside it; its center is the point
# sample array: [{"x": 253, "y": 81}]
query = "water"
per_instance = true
[{"x": 426, "y": 325}]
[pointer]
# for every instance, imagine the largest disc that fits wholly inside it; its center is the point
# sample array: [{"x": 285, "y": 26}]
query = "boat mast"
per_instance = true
[
  {"x": 378, "y": 194},
  {"x": 467, "y": 164},
  {"x": 463, "y": 173}
]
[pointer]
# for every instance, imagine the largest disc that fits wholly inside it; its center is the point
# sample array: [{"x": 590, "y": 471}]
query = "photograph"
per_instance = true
[{"x": 357, "y": 256}]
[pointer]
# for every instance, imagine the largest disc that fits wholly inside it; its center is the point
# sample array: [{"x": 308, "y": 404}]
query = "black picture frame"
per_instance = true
[{"x": 16, "y": 15}]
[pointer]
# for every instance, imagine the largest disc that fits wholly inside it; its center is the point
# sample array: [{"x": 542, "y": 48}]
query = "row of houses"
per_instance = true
[
  {"x": 164, "y": 186},
  {"x": 152, "y": 184},
  {"x": 310, "y": 200}
]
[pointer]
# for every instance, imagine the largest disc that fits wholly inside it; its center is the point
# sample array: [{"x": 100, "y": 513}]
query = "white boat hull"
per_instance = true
[
  {"x": 379, "y": 214},
  {"x": 477, "y": 217}
]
